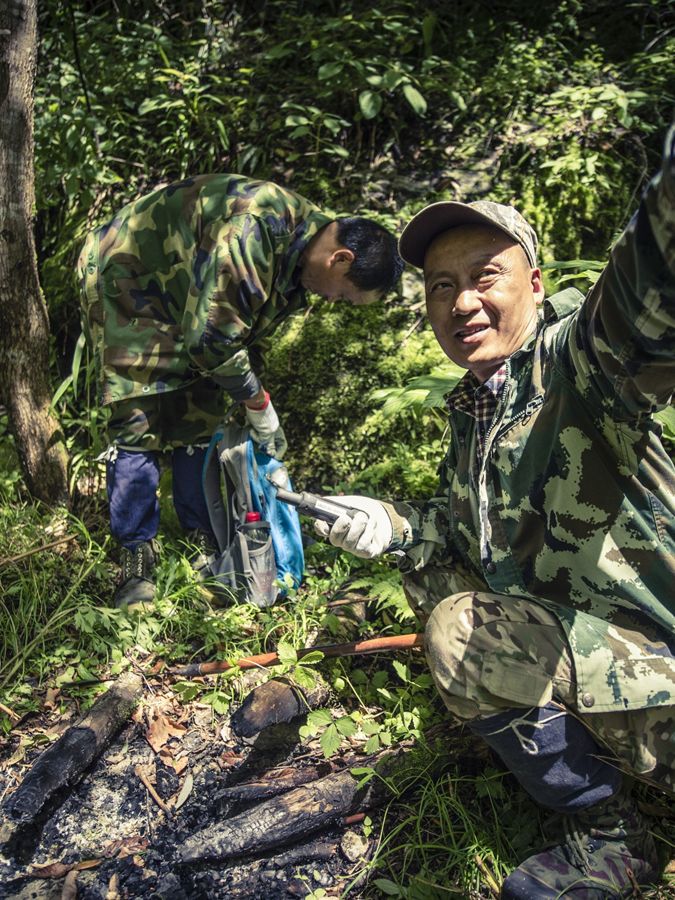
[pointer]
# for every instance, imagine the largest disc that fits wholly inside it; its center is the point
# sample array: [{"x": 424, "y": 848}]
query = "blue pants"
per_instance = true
[{"x": 133, "y": 479}]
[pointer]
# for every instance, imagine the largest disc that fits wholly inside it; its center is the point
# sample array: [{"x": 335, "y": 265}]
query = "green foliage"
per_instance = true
[
  {"x": 377, "y": 108},
  {"x": 445, "y": 838},
  {"x": 374, "y": 106},
  {"x": 337, "y": 436},
  {"x": 667, "y": 420}
]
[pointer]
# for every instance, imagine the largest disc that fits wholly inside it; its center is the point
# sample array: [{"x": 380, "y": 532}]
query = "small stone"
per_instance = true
[
  {"x": 354, "y": 845},
  {"x": 322, "y": 878}
]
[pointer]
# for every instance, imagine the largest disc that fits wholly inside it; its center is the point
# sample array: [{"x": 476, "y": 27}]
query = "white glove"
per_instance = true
[
  {"x": 367, "y": 535},
  {"x": 266, "y": 430}
]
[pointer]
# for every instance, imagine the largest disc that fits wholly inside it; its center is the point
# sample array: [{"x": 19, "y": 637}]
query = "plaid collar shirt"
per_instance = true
[{"x": 479, "y": 400}]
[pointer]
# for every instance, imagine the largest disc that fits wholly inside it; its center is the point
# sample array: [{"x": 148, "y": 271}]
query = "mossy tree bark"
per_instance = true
[{"x": 24, "y": 323}]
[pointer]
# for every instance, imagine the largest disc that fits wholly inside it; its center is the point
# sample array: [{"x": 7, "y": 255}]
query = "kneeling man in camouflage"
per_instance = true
[{"x": 545, "y": 567}]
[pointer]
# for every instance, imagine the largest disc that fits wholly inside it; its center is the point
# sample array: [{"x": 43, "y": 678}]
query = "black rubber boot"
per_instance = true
[{"x": 136, "y": 588}]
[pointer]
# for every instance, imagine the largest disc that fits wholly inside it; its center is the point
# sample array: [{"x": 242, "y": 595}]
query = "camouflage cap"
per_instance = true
[{"x": 439, "y": 217}]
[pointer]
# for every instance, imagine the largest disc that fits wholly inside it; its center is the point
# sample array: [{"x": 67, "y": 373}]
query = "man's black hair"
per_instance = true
[{"x": 377, "y": 265}]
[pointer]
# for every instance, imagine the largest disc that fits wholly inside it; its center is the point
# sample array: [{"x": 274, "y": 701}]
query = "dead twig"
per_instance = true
[
  {"x": 143, "y": 775},
  {"x": 13, "y": 559},
  {"x": 9, "y": 712}
]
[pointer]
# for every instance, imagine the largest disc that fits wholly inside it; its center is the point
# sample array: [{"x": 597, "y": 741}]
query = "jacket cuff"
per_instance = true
[
  {"x": 401, "y": 529},
  {"x": 239, "y": 387}
]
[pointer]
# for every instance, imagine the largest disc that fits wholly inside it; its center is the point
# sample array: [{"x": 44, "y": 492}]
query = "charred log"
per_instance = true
[
  {"x": 274, "y": 702},
  {"x": 65, "y": 762},
  {"x": 271, "y": 785},
  {"x": 307, "y": 809},
  {"x": 275, "y": 822}
]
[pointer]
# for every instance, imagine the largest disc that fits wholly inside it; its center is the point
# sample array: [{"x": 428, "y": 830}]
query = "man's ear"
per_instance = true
[
  {"x": 342, "y": 256},
  {"x": 537, "y": 283}
]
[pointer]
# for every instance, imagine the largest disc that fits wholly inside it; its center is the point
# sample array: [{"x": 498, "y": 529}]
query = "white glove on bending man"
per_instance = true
[
  {"x": 367, "y": 535},
  {"x": 265, "y": 428}
]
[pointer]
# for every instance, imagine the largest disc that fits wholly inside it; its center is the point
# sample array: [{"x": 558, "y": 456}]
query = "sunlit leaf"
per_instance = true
[
  {"x": 286, "y": 653},
  {"x": 329, "y": 70},
  {"x": 667, "y": 419},
  {"x": 370, "y": 104},
  {"x": 330, "y": 741},
  {"x": 415, "y": 99},
  {"x": 77, "y": 360}
]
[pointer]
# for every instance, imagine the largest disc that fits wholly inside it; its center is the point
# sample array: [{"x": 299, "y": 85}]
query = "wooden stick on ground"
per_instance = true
[
  {"x": 143, "y": 775},
  {"x": 62, "y": 540},
  {"x": 66, "y": 761},
  {"x": 354, "y": 648}
]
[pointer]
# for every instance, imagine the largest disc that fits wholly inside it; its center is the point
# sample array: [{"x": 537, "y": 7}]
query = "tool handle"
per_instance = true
[{"x": 315, "y": 506}]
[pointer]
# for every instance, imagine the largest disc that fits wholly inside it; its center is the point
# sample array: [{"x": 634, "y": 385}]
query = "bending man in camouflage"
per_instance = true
[
  {"x": 546, "y": 564},
  {"x": 181, "y": 291}
]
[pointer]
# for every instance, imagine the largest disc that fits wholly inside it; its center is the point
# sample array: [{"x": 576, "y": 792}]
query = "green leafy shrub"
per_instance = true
[{"x": 338, "y": 436}]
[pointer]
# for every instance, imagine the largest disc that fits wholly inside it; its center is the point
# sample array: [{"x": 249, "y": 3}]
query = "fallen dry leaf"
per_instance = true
[
  {"x": 178, "y": 765},
  {"x": 139, "y": 861},
  {"x": 59, "y": 869},
  {"x": 229, "y": 758},
  {"x": 113, "y": 888},
  {"x": 124, "y": 847},
  {"x": 88, "y": 864},
  {"x": 51, "y": 697},
  {"x": 670, "y": 868},
  {"x": 161, "y": 729},
  {"x": 50, "y": 870},
  {"x": 185, "y": 791},
  {"x": 17, "y": 756},
  {"x": 69, "y": 891}
]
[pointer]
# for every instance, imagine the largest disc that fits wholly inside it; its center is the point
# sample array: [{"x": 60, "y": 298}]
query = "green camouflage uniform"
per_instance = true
[
  {"x": 565, "y": 587},
  {"x": 186, "y": 284}
]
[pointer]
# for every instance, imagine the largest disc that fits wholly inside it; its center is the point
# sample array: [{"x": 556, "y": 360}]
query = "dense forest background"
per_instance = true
[
  {"x": 558, "y": 107},
  {"x": 377, "y": 108}
]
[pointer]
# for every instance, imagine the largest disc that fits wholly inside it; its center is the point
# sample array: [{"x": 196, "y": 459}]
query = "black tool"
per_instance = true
[{"x": 310, "y": 504}]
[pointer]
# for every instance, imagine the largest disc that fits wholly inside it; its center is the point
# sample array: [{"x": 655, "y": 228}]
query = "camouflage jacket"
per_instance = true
[
  {"x": 579, "y": 490},
  {"x": 190, "y": 280}
]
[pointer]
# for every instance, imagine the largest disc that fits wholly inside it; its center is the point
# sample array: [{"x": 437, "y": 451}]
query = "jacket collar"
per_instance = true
[{"x": 288, "y": 279}]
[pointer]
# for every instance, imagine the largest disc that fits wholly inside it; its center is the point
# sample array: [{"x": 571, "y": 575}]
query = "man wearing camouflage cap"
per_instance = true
[
  {"x": 545, "y": 566},
  {"x": 181, "y": 291}
]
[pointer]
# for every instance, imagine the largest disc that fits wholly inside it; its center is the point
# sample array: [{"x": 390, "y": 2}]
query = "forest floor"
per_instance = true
[
  {"x": 452, "y": 825},
  {"x": 165, "y": 777}
]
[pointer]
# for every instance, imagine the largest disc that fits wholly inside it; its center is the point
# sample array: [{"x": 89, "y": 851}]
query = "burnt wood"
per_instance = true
[
  {"x": 65, "y": 762},
  {"x": 276, "y": 701}
]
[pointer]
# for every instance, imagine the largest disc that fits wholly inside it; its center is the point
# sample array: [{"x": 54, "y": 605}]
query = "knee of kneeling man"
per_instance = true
[
  {"x": 451, "y": 617},
  {"x": 457, "y": 617}
]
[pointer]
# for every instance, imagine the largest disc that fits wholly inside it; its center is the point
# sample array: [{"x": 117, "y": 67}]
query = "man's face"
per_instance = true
[
  {"x": 328, "y": 277},
  {"x": 481, "y": 296}
]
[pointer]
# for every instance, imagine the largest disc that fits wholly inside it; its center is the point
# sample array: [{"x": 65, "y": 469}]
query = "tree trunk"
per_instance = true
[{"x": 24, "y": 324}]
